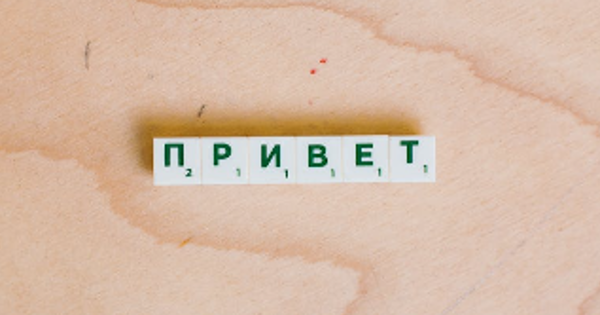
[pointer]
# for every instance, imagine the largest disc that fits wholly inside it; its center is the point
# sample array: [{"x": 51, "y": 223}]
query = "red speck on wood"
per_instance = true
[
  {"x": 323, "y": 60},
  {"x": 313, "y": 71}
]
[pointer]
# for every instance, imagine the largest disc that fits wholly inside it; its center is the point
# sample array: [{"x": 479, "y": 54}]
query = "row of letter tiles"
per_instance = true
[{"x": 289, "y": 160}]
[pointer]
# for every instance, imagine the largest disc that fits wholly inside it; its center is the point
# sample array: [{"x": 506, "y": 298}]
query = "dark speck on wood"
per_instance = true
[
  {"x": 87, "y": 55},
  {"x": 201, "y": 110}
]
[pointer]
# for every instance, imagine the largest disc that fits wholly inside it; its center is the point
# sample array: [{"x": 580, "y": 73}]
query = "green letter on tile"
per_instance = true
[
  {"x": 221, "y": 151},
  {"x": 265, "y": 159},
  {"x": 179, "y": 147},
  {"x": 317, "y": 151},
  {"x": 409, "y": 149},
  {"x": 362, "y": 153}
]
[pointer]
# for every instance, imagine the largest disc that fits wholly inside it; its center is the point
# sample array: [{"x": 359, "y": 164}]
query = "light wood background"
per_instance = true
[{"x": 511, "y": 90}]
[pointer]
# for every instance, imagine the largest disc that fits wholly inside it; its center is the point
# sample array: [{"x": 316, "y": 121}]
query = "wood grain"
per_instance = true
[{"x": 510, "y": 90}]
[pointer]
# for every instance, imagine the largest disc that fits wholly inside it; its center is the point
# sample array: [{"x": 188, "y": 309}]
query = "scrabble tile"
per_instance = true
[
  {"x": 412, "y": 159},
  {"x": 225, "y": 160},
  {"x": 272, "y": 160},
  {"x": 319, "y": 159},
  {"x": 177, "y": 161},
  {"x": 365, "y": 158}
]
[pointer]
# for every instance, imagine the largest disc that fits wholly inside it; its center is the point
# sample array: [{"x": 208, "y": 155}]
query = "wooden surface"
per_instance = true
[{"x": 511, "y": 90}]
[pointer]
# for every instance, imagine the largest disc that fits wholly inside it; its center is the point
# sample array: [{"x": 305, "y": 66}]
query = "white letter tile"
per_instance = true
[
  {"x": 412, "y": 159},
  {"x": 272, "y": 160},
  {"x": 365, "y": 158},
  {"x": 319, "y": 159},
  {"x": 176, "y": 161},
  {"x": 225, "y": 160}
]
